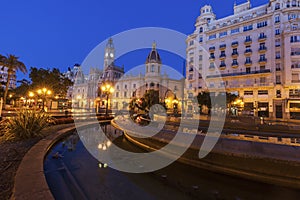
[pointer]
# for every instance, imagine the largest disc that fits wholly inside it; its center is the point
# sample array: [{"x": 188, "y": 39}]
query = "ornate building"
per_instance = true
[
  {"x": 3, "y": 78},
  {"x": 130, "y": 86},
  {"x": 256, "y": 52}
]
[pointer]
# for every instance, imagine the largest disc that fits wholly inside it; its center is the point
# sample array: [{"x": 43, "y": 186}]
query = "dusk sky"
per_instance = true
[{"x": 61, "y": 33}]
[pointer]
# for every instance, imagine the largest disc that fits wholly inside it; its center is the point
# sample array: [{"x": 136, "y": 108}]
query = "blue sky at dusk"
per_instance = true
[{"x": 60, "y": 33}]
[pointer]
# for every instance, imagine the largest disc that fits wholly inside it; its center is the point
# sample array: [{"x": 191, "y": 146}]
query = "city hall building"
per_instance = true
[{"x": 256, "y": 51}]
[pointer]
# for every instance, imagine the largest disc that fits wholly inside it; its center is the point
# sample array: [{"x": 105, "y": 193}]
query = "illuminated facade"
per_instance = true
[{"x": 257, "y": 53}]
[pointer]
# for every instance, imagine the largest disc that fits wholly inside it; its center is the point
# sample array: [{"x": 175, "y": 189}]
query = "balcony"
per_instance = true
[
  {"x": 248, "y": 52},
  {"x": 262, "y": 49},
  {"x": 211, "y": 49},
  {"x": 248, "y": 41},
  {"x": 262, "y": 38},
  {"x": 234, "y": 54},
  {"x": 234, "y": 44},
  {"x": 248, "y": 63},
  {"x": 262, "y": 61},
  {"x": 222, "y": 66},
  {"x": 295, "y": 81},
  {"x": 222, "y": 56},
  {"x": 295, "y": 53},
  {"x": 242, "y": 73},
  {"x": 222, "y": 46},
  {"x": 235, "y": 65}
]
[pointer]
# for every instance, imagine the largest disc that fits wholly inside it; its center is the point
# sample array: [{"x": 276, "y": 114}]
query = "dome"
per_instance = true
[{"x": 153, "y": 56}]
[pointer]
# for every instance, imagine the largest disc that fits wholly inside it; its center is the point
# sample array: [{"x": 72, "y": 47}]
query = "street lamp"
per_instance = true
[
  {"x": 44, "y": 92},
  {"x": 107, "y": 89}
]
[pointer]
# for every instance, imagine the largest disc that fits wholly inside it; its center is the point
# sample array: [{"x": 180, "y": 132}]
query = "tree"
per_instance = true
[
  {"x": 51, "y": 79},
  {"x": 12, "y": 64},
  {"x": 22, "y": 89}
]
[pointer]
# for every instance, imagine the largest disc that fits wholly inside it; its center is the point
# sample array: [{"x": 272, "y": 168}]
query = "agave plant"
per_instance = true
[{"x": 27, "y": 124}]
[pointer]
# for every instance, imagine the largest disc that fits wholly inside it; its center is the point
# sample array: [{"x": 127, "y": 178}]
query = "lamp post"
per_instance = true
[
  {"x": 107, "y": 89},
  {"x": 44, "y": 92}
]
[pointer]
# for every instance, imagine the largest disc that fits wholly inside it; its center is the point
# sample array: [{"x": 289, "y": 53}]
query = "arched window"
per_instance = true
[
  {"x": 152, "y": 68},
  {"x": 288, "y": 4},
  {"x": 152, "y": 84},
  {"x": 294, "y": 3},
  {"x": 201, "y": 30}
]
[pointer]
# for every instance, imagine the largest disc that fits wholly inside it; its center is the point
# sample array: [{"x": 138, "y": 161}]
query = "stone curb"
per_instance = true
[
  {"x": 30, "y": 181},
  {"x": 277, "y": 180}
]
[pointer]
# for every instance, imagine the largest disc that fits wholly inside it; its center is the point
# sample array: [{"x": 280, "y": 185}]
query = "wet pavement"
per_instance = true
[{"x": 72, "y": 173}]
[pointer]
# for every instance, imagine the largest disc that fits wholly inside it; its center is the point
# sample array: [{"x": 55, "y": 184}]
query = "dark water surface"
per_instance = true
[{"x": 75, "y": 174}]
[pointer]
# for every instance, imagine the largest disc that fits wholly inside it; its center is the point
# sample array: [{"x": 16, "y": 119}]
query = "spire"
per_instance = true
[
  {"x": 110, "y": 43},
  {"x": 154, "y": 45}
]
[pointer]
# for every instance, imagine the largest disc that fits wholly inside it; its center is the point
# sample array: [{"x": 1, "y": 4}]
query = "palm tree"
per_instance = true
[{"x": 12, "y": 64}]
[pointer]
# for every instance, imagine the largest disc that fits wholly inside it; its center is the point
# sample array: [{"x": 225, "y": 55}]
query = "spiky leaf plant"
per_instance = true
[{"x": 27, "y": 124}]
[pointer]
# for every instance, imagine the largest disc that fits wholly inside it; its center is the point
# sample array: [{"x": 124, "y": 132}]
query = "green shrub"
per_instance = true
[{"x": 27, "y": 124}]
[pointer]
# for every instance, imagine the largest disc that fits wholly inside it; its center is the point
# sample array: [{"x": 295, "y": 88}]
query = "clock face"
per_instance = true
[{"x": 111, "y": 55}]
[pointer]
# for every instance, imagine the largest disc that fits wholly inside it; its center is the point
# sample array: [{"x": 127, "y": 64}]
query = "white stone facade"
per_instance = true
[{"x": 257, "y": 53}]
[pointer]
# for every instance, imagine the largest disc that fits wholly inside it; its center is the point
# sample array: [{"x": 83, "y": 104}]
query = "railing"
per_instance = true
[{"x": 241, "y": 73}]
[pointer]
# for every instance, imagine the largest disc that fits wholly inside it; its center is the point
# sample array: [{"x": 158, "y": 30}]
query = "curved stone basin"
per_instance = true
[{"x": 72, "y": 173}]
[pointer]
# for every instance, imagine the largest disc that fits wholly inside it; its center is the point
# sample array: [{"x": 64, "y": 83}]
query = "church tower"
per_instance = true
[
  {"x": 153, "y": 62},
  {"x": 109, "y": 55}
]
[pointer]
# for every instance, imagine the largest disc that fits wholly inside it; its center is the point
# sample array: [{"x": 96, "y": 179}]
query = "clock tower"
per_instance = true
[{"x": 109, "y": 55}]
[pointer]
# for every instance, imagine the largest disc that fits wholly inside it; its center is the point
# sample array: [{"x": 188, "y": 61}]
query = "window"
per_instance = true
[
  {"x": 277, "y": 43},
  {"x": 201, "y": 30},
  {"x": 200, "y": 57},
  {"x": 125, "y": 94},
  {"x": 152, "y": 68},
  {"x": 191, "y": 77},
  {"x": 262, "y": 24},
  {"x": 277, "y": 31},
  {"x": 200, "y": 39},
  {"x": 223, "y": 34},
  {"x": 118, "y": 87},
  {"x": 262, "y": 67},
  {"x": 277, "y": 18},
  {"x": 236, "y": 30},
  {"x": 134, "y": 85},
  {"x": 262, "y": 80},
  {"x": 294, "y": 4},
  {"x": 295, "y": 38},
  {"x": 295, "y": 51},
  {"x": 295, "y": 65},
  {"x": 211, "y": 37},
  {"x": 295, "y": 78},
  {"x": 212, "y": 65},
  {"x": 278, "y": 93},
  {"x": 191, "y": 42},
  {"x": 262, "y": 46},
  {"x": 248, "y": 92},
  {"x": 278, "y": 79},
  {"x": 234, "y": 51},
  {"x": 117, "y": 94},
  {"x": 278, "y": 67},
  {"x": 262, "y": 57},
  {"x": 277, "y": 54},
  {"x": 248, "y": 28},
  {"x": 263, "y": 92},
  {"x": 125, "y": 86},
  {"x": 248, "y": 60},
  {"x": 292, "y": 16},
  {"x": 277, "y": 6},
  {"x": 248, "y": 70}
]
